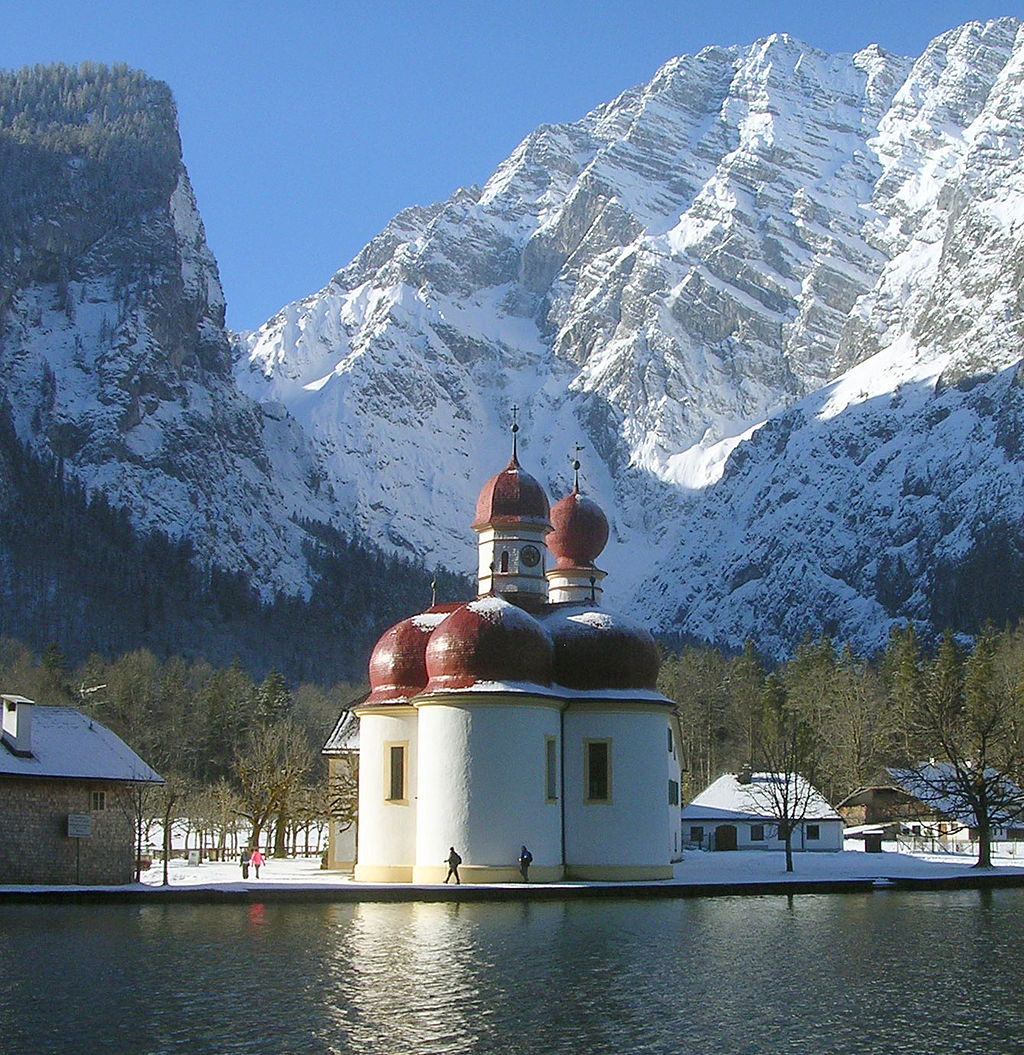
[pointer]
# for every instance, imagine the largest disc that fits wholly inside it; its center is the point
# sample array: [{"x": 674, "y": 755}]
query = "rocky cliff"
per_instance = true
[{"x": 775, "y": 294}]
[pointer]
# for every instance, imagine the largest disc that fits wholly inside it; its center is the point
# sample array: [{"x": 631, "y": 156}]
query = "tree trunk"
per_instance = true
[
  {"x": 138, "y": 834},
  {"x": 984, "y": 847},
  {"x": 281, "y": 836},
  {"x": 167, "y": 840}
]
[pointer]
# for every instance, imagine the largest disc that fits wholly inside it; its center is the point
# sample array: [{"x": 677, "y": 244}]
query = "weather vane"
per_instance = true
[{"x": 515, "y": 429}]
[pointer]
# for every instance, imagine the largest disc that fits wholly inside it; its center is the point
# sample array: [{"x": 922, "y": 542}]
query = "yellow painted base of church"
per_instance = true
[
  {"x": 428, "y": 875},
  {"x": 471, "y": 874}
]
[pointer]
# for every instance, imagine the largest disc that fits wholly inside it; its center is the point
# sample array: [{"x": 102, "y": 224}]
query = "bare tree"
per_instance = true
[
  {"x": 343, "y": 791},
  {"x": 787, "y": 747},
  {"x": 969, "y": 709},
  {"x": 270, "y": 769}
]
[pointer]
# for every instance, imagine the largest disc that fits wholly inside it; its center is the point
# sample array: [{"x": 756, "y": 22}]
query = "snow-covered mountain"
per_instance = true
[
  {"x": 828, "y": 244},
  {"x": 774, "y": 294},
  {"x": 114, "y": 359}
]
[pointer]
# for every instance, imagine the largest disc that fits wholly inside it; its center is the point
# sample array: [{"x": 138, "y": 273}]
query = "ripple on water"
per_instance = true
[{"x": 872, "y": 973}]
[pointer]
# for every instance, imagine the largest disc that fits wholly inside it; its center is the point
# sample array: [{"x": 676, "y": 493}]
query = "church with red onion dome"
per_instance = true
[{"x": 529, "y": 715}]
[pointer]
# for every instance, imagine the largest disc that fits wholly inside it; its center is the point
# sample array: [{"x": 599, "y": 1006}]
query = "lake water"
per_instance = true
[{"x": 873, "y": 973}]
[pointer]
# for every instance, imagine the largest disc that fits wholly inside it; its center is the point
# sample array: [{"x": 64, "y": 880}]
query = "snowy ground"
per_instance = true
[{"x": 697, "y": 868}]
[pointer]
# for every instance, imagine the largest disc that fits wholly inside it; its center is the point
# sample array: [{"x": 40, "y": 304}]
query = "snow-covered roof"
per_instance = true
[
  {"x": 729, "y": 799},
  {"x": 345, "y": 735},
  {"x": 66, "y": 743}
]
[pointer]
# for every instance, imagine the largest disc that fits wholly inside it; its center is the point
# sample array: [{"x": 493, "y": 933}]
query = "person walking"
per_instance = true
[
  {"x": 453, "y": 865},
  {"x": 525, "y": 857},
  {"x": 256, "y": 860},
  {"x": 245, "y": 864}
]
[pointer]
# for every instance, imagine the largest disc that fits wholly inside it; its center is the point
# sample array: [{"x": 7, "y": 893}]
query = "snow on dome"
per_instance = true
[
  {"x": 511, "y": 497},
  {"x": 488, "y": 640},
  {"x": 580, "y": 531},
  {"x": 601, "y": 650},
  {"x": 398, "y": 667}
]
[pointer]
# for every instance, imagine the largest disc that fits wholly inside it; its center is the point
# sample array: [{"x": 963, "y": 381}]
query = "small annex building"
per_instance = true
[
  {"x": 735, "y": 813},
  {"x": 67, "y": 797},
  {"x": 342, "y": 752},
  {"x": 529, "y": 715}
]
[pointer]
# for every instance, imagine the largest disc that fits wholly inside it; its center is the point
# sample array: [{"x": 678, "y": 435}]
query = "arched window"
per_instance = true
[{"x": 504, "y": 562}]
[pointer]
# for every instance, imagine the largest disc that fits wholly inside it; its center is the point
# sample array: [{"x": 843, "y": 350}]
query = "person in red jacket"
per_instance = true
[{"x": 256, "y": 860}]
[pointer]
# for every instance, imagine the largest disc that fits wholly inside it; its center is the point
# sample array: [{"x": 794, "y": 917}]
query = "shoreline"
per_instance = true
[{"x": 698, "y": 875}]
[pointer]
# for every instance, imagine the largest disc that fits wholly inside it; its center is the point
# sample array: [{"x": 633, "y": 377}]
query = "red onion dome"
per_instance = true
[
  {"x": 488, "y": 640},
  {"x": 398, "y": 666},
  {"x": 580, "y": 531},
  {"x": 511, "y": 497},
  {"x": 595, "y": 649}
]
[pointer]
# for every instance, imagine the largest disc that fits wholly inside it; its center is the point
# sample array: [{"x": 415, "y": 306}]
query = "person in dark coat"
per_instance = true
[
  {"x": 453, "y": 865},
  {"x": 245, "y": 864},
  {"x": 525, "y": 857}
]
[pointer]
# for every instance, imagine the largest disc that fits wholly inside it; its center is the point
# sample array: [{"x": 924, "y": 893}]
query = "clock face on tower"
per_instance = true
[{"x": 530, "y": 556}]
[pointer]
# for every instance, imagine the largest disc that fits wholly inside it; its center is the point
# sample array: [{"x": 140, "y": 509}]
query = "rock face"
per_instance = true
[
  {"x": 114, "y": 359},
  {"x": 775, "y": 294},
  {"x": 826, "y": 243}
]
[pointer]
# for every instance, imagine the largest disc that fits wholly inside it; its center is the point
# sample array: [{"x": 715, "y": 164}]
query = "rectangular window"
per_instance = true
[
  {"x": 99, "y": 800},
  {"x": 813, "y": 832},
  {"x": 673, "y": 792},
  {"x": 757, "y": 833},
  {"x": 696, "y": 834},
  {"x": 394, "y": 776},
  {"x": 597, "y": 765},
  {"x": 551, "y": 769},
  {"x": 670, "y": 741}
]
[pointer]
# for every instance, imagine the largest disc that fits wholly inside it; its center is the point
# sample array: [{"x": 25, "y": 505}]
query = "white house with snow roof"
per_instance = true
[
  {"x": 736, "y": 813},
  {"x": 67, "y": 797}
]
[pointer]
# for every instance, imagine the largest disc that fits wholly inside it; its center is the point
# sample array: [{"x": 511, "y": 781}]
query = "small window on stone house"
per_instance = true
[{"x": 99, "y": 801}]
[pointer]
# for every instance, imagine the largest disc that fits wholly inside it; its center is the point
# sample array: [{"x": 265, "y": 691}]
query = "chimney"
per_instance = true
[
  {"x": 746, "y": 774},
  {"x": 17, "y": 725}
]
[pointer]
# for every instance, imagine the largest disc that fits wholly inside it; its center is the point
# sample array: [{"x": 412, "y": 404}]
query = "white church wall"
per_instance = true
[
  {"x": 482, "y": 787},
  {"x": 673, "y": 786},
  {"x": 625, "y": 836},
  {"x": 387, "y": 825}
]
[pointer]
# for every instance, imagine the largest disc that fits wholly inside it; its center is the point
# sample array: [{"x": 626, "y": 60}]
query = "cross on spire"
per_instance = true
[
  {"x": 515, "y": 429},
  {"x": 575, "y": 459}
]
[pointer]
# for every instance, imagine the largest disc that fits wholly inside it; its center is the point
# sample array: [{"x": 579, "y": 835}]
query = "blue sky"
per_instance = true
[{"x": 307, "y": 126}]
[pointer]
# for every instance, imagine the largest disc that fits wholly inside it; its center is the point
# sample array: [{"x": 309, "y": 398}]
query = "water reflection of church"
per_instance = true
[{"x": 529, "y": 715}]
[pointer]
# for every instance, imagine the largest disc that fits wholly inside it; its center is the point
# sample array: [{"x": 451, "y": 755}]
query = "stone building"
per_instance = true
[{"x": 68, "y": 788}]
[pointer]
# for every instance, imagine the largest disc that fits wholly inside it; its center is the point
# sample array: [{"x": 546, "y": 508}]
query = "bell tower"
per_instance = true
[{"x": 512, "y": 521}]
